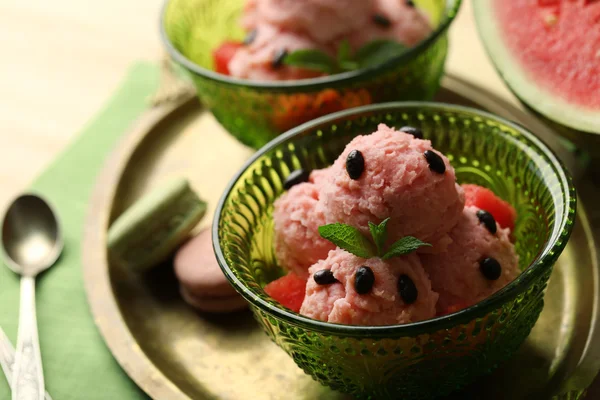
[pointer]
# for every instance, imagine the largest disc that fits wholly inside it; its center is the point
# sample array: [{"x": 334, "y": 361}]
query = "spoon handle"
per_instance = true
[
  {"x": 7, "y": 359},
  {"x": 28, "y": 377}
]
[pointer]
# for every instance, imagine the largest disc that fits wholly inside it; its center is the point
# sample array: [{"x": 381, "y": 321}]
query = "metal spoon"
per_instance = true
[
  {"x": 31, "y": 243},
  {"x": 7, "y": 359}
]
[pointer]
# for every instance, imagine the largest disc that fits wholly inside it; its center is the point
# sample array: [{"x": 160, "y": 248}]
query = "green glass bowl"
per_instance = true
[
  {"x": 424, "y": 359},
  {"x": 256, "y": 112}
]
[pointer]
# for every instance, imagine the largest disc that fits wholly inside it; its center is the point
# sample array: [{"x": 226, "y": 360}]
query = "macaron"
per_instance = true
[
  {"x": 214, "y": 304},
  {"x": 150, "y": 230},
  {"x": 202, "y": 282}
]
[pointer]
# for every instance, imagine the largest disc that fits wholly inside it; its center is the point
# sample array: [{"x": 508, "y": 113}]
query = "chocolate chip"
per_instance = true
[
  {"x": 355, "y": 164},
  {"x": 324, "y": 277},
  {"x": 364, "y": 280},
  {"x": 296, "y": 177},
  {"x": 278, "y": 58},
  {"x": 407, "y": 289},
  {"x": 382, "y": 20},
  {"x": 250, "y": 37},
  {"x": 411, "y": 130},
  {"x": 410, "y": 3},
  {"x": 487, "y": 220},
  {"x": 436, "y": 164},
  {"x": 490, "y": 268}
]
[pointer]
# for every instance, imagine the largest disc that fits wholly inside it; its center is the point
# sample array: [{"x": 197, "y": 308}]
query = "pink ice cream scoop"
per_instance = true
[
  {"x": 347, "y": 289},
  {"x": 296, "y": 217},
  {"x": 321, "y": 20},
  {"x": 480, "y": 261},
  {"x": 392, "y": 174},
  {"x": 405, "y": 23},
  {"x": 262, "y": 59},
  {"x": 320, "y": 176},
  {"x": 278, "y": 27}
]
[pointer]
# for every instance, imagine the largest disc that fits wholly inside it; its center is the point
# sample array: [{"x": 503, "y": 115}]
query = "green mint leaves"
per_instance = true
[
  {"x": 371, "y": 54},
  {"x": 406, "y": 245},
  {"x": 353, "y": 241},
  {"x": 348, "y": 238},
  {"x": 378, "y": 52},
  {"x": 312, "y": 59},
  {"x": 379, "y": 234},
  {"x": 344, "y": 59}
]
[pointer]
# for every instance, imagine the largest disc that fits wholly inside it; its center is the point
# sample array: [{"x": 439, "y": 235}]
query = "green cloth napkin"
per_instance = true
[{"x": 77, "y": 364}]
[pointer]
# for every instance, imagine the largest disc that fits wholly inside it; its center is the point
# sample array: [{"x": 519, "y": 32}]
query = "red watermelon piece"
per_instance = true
[
  {"x": 548, "y": 53},
  {"x": 288, "y": 290},
  {"x": 483, "y": 198},
  {"x": 553, "y": 39},
  {"x": 223, "y": 54},
  {"x": 548, "y": 2},
  {"x": 453, "y": 308}
]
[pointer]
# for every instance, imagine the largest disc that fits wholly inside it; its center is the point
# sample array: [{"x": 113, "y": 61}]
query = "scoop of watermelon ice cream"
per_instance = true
[
  {"x": 396, "y": 182},
  {"x": 407, "y": 24},
  {"x": 458, "y": 274},
  {"x": 280, "y": 26},
  {"x": 319, "y": 176},
  {"x": 321, "y": 20},
  {"x": 297, "y": 218},
  {"x": 386, "y": 302},
  {"x": 261, "y": 59}
]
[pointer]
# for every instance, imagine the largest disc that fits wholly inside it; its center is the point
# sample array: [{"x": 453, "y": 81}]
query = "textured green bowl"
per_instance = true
[
  {"x": 256, "y": 112},
  {"x": 429, "y": 358}
]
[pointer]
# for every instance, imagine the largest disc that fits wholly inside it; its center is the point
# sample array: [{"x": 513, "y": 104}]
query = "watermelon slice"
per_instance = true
[
  {"x": 483, "y": 198},
  {"x": 223, "y": 54},
  {"x": 288, "y": 290},
  {"x": 548, "y": 53}
]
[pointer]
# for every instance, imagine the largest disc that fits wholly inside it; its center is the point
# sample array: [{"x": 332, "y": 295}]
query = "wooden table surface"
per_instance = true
[{"x": 63, "y": 59}]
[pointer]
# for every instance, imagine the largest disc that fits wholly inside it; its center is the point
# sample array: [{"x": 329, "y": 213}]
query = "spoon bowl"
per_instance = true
[
  {"x": 31, "y": 243},
  {"x": 31, "y": 238}
]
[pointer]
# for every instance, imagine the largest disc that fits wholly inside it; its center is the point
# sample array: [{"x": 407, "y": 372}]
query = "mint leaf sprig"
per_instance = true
[
  {"x": 373, "y": 53},
  {"x": 353, "y": 241},
  {"x": 348, "y": 238}
]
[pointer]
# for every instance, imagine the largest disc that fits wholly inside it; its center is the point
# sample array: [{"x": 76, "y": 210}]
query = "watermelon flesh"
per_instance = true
[
  {"x": 289, "y": 291},
  {"x": 557, "y": 42},
  {"x": 548, "y": 54},
  {"x": 484, "y": 199}
]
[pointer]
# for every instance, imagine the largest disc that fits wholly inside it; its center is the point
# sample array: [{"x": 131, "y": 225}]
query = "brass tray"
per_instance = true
[{"x": 175, "y": 353}]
